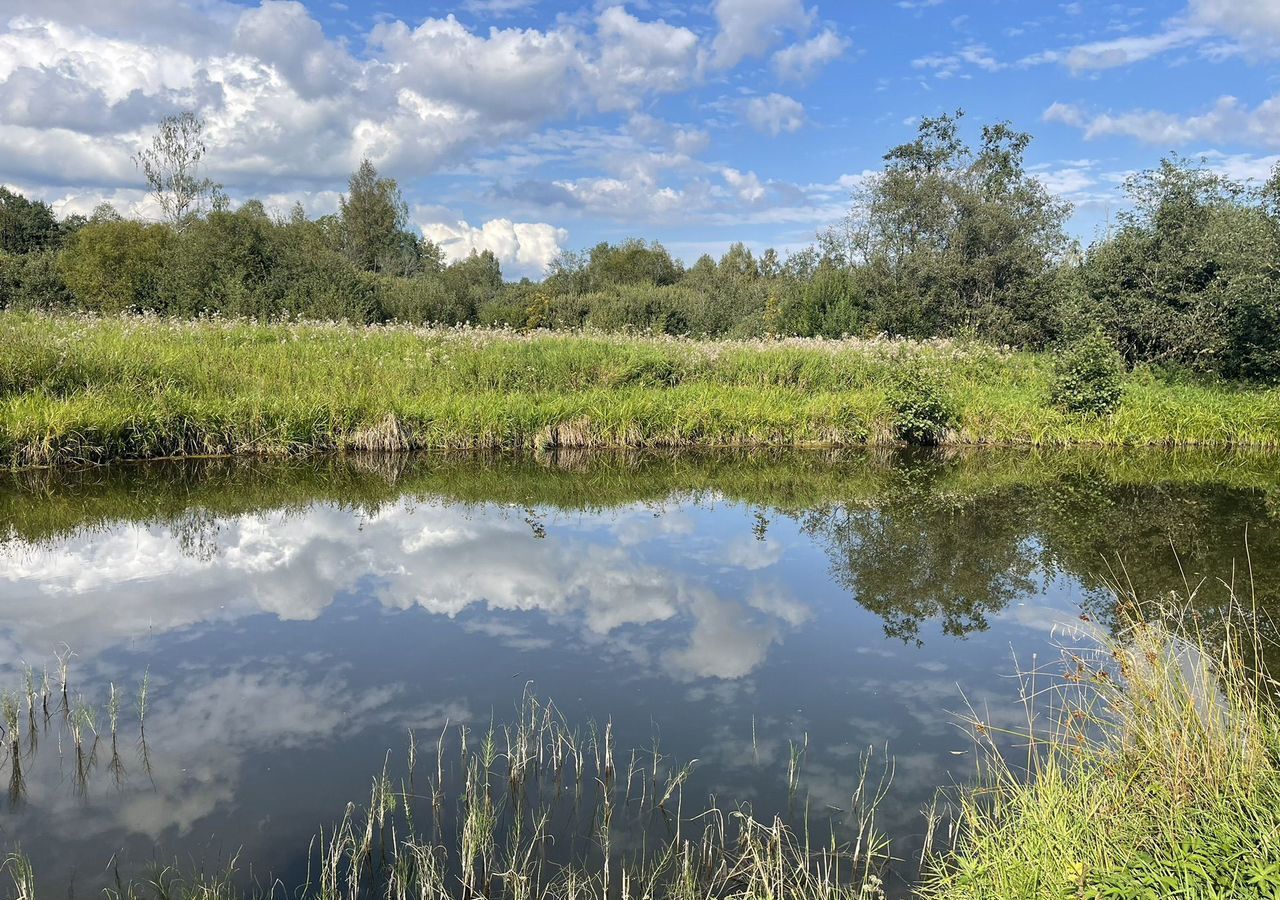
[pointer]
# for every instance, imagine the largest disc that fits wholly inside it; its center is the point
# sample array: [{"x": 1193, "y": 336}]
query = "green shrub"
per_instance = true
[
  {"x": 423, "y": 300},
  {"x": 640, "y": 306},
  {"x": 32, "y": 281},
  {"x": 115, "y": 266},
  {"x": 922, "y": 408},
  {"x": 1088, "y": 376}
]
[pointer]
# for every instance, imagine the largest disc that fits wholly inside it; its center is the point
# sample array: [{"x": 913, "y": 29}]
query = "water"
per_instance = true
[{"x": 295, "y": 620}]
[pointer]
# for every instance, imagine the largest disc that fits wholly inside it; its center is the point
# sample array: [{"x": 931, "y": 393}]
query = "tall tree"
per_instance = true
[
  {"x": 172, "y": 166},
  {"x": 25, "y": 225},
  {"x": 957, "y": 238},
  {"x": 374, "y": 223}
]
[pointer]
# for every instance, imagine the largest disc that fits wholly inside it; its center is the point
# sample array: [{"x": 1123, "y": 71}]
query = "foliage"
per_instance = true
[
  {"x": 1088, "y": 376},
  {"x": 952, "y": 238},
  {"x": 1190, "y": 276},
  {"x": 32, "y": 281},
  {"x": 27, "y": 226},
  {"x": 116, "y": 266},
  {"x": 374, "y": 228},
  {"x": 955, "y": 239},
  {"x": 922, "y": 410},
  {"x": 172, "y": 167}
]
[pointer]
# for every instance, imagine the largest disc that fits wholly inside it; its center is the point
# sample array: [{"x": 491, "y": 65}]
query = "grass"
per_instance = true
[
  {"x": 76, "y": 389},
  {"x": 1153, "y": 770},
  {"x": 46, "y": 713}
]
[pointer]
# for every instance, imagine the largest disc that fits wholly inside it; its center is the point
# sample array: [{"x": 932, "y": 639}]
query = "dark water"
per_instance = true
[{"x": 297, "y": 619}]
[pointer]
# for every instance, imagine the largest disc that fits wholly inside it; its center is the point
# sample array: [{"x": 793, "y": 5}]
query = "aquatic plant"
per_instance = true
[{"x": 505, "y": 845}]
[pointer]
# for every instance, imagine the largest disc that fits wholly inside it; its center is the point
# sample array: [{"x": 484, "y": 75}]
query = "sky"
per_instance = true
[{"x": 528, "y": 127}]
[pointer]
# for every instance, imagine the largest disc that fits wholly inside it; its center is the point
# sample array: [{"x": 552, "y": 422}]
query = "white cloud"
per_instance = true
[
  {"x": 774, "y": 113},
  {"x": 946, "y": 65},
  {"x": 96, "y": 590},
  {"x": 1127, "y": 50},
  {"x": 282, "y": 34},
  {"x": 1255, "y": 22},
  {"x": 636, "y": 196},
  {"x": 746, "y": 185},
  {"x": 523, "y": 248},
  {"x": 637, "y": 56},
  {"x": 1252, "y": 25},
  {"x": 753, "y": 27},
  {"x": 80, "y": 89},
  {"x": 800, "y": 61},
  {"x": 1227, "y": 120}
]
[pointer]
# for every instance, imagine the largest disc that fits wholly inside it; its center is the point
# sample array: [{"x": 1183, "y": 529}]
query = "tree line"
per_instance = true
[{"x": 951, "y": 238}]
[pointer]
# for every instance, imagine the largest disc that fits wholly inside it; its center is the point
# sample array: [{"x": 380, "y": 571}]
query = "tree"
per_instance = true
[
  {"x": 26, "y": 225},
  {"x": 374, "y": 224},
  {"x": 172, "y": 166},
  {"x": 1192, "y": 276},
  {"x": 957, "y": 239}
]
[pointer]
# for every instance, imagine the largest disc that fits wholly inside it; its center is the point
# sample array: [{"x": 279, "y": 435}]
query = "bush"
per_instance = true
[
  {"x": 922, "y": 408},
  {"x": 1088, "y": 376},
  {"x": 115, "y": 266},
  {"x": 32, "y": 281},
  {"x": 422, "y": 300},
  {"x": 639, "y": 306}
]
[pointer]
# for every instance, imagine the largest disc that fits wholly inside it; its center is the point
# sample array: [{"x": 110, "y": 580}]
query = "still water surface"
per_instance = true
[{"x": 295, "y": 620}]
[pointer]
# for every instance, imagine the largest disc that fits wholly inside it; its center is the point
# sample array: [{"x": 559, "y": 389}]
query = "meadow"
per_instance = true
[{"x": 77, "y": 389}]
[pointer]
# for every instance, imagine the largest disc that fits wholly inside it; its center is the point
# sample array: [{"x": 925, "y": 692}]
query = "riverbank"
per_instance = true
[
  {"x": 1150, "y": 771},
  {"x": 77, "y": 390}
]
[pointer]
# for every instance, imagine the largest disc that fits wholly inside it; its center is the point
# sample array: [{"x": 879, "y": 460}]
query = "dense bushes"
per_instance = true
[
  {"x": 947, "y": 241},
  {"x": 922, "y": 411},
  {"x": 1088, "y": 376}
]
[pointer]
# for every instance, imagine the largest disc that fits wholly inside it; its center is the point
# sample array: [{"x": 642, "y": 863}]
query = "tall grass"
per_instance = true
[
  {"x": 544, "y": 812},
  {"x": 1152, "y": 770},
  {"x": 539, "y": 809},
  {"x": 77, "y": 389}
]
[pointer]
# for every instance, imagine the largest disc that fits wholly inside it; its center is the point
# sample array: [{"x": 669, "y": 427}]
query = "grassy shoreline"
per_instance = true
[
  {"x": 1152, "y": 770},
  {"x": 77, "y": 390}
]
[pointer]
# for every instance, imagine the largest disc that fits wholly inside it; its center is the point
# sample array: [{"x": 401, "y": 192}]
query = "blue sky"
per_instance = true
[{"x": 530, "y": 126}]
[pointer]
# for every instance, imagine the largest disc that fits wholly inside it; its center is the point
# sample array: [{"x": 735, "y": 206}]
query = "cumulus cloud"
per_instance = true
[
  {"x": 1255, "y": 22},
  {"x": 746, "y": 185},
  {"x": 636, "y": 56},
  {"x": 97, "y": 590},
  {"x": 80, "y": 89},
  {"x": 753, "y": 27},
  {"x": 773, "y": 114},
  {"x": 290, "y": 110},
  {"x": 523, "y": 248}
]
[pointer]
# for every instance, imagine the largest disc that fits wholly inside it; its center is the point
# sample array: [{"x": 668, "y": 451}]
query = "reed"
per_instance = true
[
  {"x": 1151, "y": 767},
  {"x": 515, "y": 836},
  {"x": 18, "y": 868}
]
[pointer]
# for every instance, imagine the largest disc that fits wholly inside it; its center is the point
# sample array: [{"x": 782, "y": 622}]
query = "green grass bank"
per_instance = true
[
  {"x": 79, "y": 389},
  {"x": 1152, "y": 770}
]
